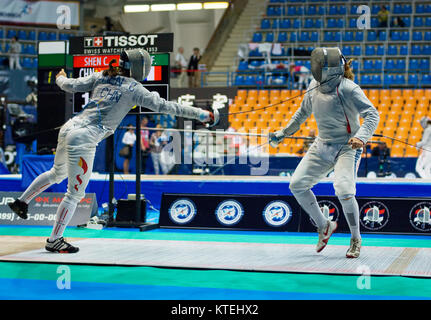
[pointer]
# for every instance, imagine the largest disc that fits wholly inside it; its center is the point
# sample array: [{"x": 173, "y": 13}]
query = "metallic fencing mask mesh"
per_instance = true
[
  {"x": 326, "y": 62},
  {"x": 138, "y": 61}
]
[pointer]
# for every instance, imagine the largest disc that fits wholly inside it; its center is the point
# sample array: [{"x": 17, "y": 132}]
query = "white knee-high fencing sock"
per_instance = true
[
  {"x": 351, "y": 212},
  {"x": 308, "y": 202},
  {"x": 41, "y": 183},
  {"x": 64, "y": 214}
]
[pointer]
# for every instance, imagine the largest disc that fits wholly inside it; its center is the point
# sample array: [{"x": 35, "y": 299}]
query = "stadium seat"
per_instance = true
[
  {"x": 428, "y": 21},
  {"x": 420, "y": 8},
  {"x": 314, "y": 36},
  {"x": 293, "y": 37},
  {"x": 401, "y": 65},
  {"x": 359, "y": 36},
  {"x": 427, "y": 36},
  {"x": 417, "y": 36},
  {"x": 416, "y": 50},
  {"x": 352, "y": 23},
  {"x": 11, "y": 33},
  {"x": 282, "y": 37},
  {"x": 395, "y": 36},
  {"x": 424, "y": 65},
  {"x": 285, "y": 24},
  {"x": 265, "y": 24},
  {"x": 348, "y": 36},
  {"x": 404, "y": 50},
  {"x": 257, "y": 37},
  {"x": 22, "y": 35},
  {"x": 43, "y": 36},
  {"x": 243, "y": 65},
  {"x": 382, "y": 36},
  {"x": 250, "y": 80},
  {"x": 413, "y": 79},
  {"x": 405, "y": 36},
  {"x": 347, "y": 50},
  {"x": 407, "y": 8},
  {"x": 371, "y": 36},
  {"x": 413, "y": 64},
  {"x": 370, "y": 50},
  {"x": 392, "y": 50},
  {"x": 239, "y": 80},
  {"x": 269, "y": 37},
  {"x": 418, "y": 22}
]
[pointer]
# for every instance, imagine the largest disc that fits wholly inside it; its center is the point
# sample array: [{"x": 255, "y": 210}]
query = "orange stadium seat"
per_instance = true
[
  {"x": 398, "y": 99},
  {"x": 385, "y": 99},
  {"x": 428, "y": 93},
  {"x": 396, "y": 93},
  {"x": 407, "y": 93},
  {"x": 418, "y": 93},
  {"x": 385, "y": 93},
  {"x": 374, "y": 93},
  {"x": 397, "y": 150},
  {"x": 242, "y": 94}
]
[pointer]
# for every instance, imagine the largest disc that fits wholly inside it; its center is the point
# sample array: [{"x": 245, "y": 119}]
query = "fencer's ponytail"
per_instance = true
[
  {"x": 348, "y": 71},
  {"x": 112, "y": 71}
]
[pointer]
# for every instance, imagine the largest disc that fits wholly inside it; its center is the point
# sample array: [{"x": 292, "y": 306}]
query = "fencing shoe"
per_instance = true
[
  {"x": 20, "y": 208},
  {"x": 61, "y": 246},
  {"x": 325, "y": 234}
]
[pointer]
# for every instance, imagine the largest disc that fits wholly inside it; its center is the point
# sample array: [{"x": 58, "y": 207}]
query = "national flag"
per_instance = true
[{"x": 155, "y": 74}]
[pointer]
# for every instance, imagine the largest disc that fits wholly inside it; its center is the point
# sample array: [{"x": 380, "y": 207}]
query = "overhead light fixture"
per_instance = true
[
  {"x": 189, "y": 6},
  {"x": 216, "y": 5},
  {"x": 163, "y": 7},
  {"x": 136, "y": 8}
]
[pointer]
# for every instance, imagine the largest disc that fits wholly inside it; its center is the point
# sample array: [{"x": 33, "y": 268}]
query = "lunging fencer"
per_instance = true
[
  {"x": 337, "y": 104},
  {"x": 423, "y": 164},
  {"x": 114, "y": 92}
]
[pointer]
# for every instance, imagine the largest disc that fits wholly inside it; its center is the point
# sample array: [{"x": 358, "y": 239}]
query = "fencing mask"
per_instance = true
[
  {"x": 326, "y": 62},
  {"x": 137, "y": 61},
  {"x": 424, "y": 121}
]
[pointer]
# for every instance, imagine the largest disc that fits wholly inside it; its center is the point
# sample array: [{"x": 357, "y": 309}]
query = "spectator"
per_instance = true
[
  {"x": 181, "y": 65},
  {"x": 108, "y": 24},
  {"x": 381, "y": 150},
  {"x": 14, "y": 50},
  {"x": 145, "y": 144},
  {"x": 398, "y": 23},
  {"x": 157, "y": 142},
  {"x": 193, "y": 65},
  {"x": 302, "y": 74},
  {"x": 308, "y": 143},
  {"x": 128, "y": 140},
  {"x": 382, "y": 17}
]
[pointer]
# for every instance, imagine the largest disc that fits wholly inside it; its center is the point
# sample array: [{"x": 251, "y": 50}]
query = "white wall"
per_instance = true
[{"x": 191, "y": 28}]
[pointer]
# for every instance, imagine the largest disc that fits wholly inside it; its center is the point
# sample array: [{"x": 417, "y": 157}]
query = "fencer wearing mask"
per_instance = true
[
  {"x": 114, "y": 92},
  {"x": 337, "y": 103}
]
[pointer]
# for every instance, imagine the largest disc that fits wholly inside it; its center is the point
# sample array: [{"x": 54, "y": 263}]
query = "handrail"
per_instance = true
[{"x": 221, "y": 33}]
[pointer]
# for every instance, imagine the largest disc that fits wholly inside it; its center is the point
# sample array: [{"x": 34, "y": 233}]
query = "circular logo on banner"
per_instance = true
[
  {"x": 277, "y": 213},
  {"x": 229, "y": 212},
  {"x": 420, "y": 216},
  {"x": 182, "y": 211},
  {"x": 374, "y": 215},
  {"x": 329, "y": 210}
]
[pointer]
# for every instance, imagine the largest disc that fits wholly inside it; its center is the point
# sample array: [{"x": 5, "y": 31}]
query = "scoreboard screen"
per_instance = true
[{"x": 157, "y": 80}]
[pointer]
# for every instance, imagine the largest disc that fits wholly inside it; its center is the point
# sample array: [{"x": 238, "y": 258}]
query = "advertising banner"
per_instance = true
[
  {"x": 39, "y": 12},
  {"x": 42, "y": 209},
  {"x": 239, "y": 212}
]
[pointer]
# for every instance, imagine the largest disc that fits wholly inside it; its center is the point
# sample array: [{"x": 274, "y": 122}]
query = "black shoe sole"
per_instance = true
[
  {"x": 20, "y": 214},
  {"x": 61, "y": 252}
]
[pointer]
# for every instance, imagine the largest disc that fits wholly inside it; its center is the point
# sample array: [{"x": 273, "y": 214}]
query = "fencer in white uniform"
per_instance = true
[
  {"x": 113, "y": 95},
  {"x": 423, "y": 164},
  {"x": 337, "y": 103}
]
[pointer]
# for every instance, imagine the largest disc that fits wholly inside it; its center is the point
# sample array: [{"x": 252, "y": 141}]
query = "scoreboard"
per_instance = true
[{"x": 157, "y": 80}]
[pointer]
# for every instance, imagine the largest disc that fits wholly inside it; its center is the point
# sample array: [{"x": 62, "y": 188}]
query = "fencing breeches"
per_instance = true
[{"x": 316, "y": 165}]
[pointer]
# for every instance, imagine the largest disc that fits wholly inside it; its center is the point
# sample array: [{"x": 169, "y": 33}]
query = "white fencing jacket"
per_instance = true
[
  {"x": 336, "y": 106},
  {"x": 113, "y": 97}
]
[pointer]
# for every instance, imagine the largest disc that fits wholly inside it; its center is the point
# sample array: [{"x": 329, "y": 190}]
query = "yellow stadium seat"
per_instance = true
[
  {"x": 397, "y": 150},
  {"x": 263, "y": 93},
  {"x": 411, "y": 152},
  {"x": 397, "y": 99},
  {"x": 396, "y": 107},
  {"x": 374, "y": 93},
  {"x": 242, "y": 94},
  {"x": 418, "y": 93},
  {"x": 385, "y": 99},
  {"x": 412, "y": 101},
  {"x": 407, "y": 93},
  {"x": 385, "y": 93},
  {"x": 396, "y": 93}
]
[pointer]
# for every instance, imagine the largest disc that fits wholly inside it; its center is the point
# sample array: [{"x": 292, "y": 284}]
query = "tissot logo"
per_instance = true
[{"x": 121, "y": 41}]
